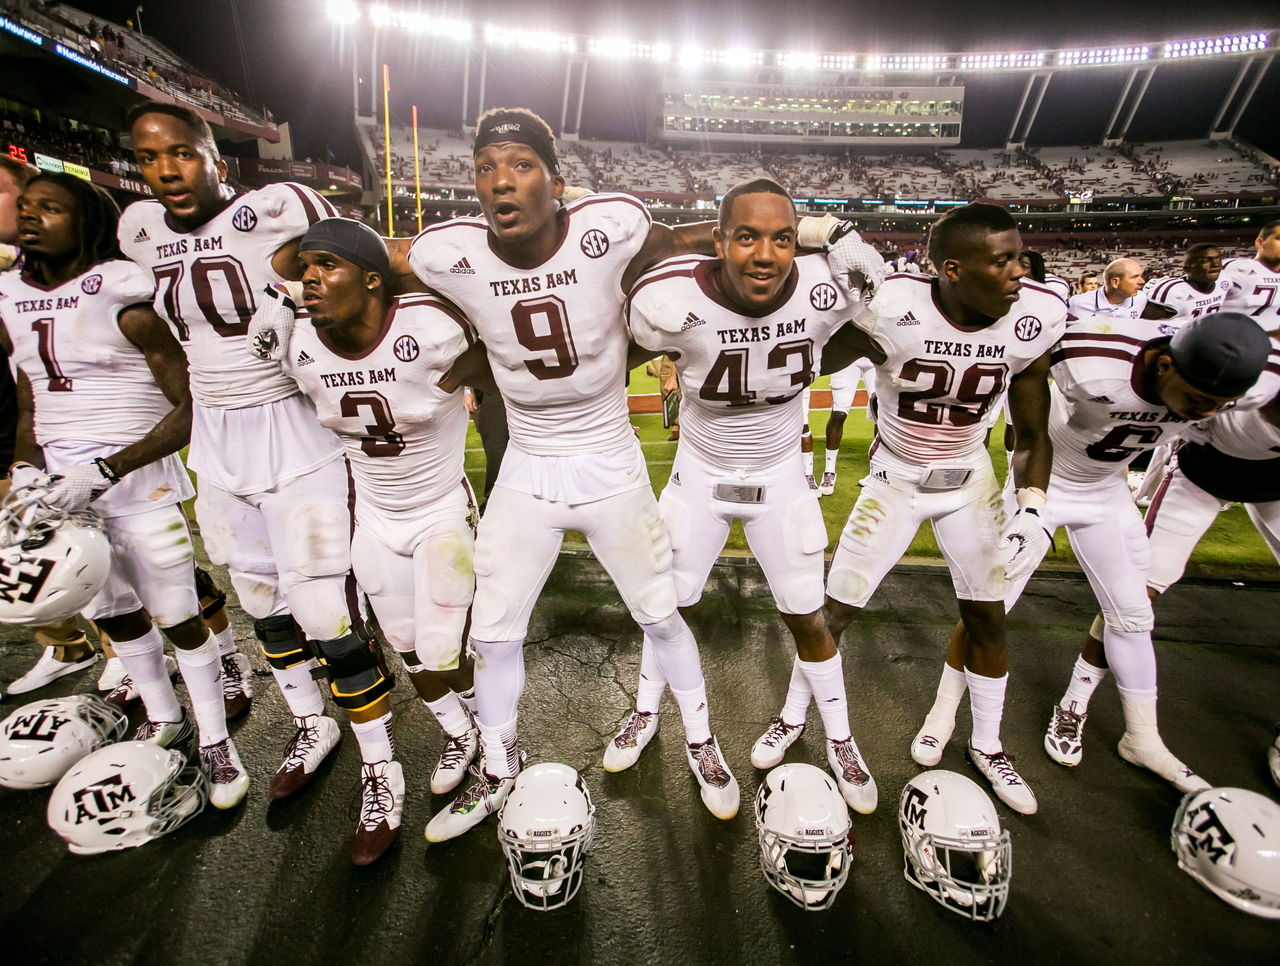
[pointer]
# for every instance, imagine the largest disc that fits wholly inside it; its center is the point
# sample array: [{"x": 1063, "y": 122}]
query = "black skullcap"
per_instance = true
[
  {"x": 1221, "y": 354},
  {"x": 520, "y": 127},
  {"x": 350, "y": 239}
]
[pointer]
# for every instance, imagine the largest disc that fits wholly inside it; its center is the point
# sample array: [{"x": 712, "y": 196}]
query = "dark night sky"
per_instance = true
[{"x": 293, "y": 64}]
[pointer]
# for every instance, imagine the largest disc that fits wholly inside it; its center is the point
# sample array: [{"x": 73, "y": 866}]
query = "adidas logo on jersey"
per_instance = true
[
  {"x": 909, "y": 319},
  {"x": 881, "y": 476},
  {"x": 141, "y": 236},
  {"x": 463, "y": 267},
  {"x": 690, "y": 321},
  {"x": 1105, "y": 400},
  {"x": 304, "y": 358}
]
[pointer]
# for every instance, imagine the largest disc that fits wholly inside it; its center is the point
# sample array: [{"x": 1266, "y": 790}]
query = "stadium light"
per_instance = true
[
  {"x": 1097, "y": 56},
  {"x": 1216, "y": 46},
  {"x": 543, "y": 40},
  {"x": 343, "y": 11},
  {"x": 1018, "y": 61}
]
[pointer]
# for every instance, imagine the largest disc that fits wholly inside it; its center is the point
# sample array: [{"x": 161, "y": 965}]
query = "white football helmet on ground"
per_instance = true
[
  {"x": 955, "y": 849},
  {"x": 40, "y": 741},
  {"x": 806, "y": 841},
  {"x": 51, "y": 563},
  {"x": 545, "y": 828},
  {"x": 1228, "y": 840},
  {"x": 125, "y": 795}
]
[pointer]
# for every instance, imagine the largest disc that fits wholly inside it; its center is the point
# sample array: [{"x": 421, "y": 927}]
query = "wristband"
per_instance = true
[
  {"x": 110, "y": 475},
  {"x": 1031, "y": 498}
]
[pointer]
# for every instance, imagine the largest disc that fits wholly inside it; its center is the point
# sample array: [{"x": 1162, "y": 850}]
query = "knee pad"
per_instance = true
[
  {"x": 357, "y": 674},
  {"x": 320, "y": 540},
  {"x": 669, "y": 630},
  {"x": 212, "y": 597},
  {"x": 259, "y": 594},
  {"x": 280, "y": 642},
  {"x": 1131, "y": 618}
]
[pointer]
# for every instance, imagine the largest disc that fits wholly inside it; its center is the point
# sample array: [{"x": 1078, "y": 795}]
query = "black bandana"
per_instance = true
[
  {"x": 349, "y": 239},
  {"x": 518, "y": 127}
]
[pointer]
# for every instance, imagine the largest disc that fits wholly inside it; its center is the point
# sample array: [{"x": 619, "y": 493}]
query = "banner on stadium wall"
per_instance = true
[
  {"x": 46, "y": 163},
  {"x": 317, "y": 175},
  {"x": 779, "y": 101},
  {"x": 79, "y": 170}
]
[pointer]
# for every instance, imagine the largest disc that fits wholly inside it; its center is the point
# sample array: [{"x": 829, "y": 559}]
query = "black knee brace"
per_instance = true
[
  {"x": 212, "y": 597},
  {"x": 281, "y": 645},
  {"x": 357, "y": 674}
]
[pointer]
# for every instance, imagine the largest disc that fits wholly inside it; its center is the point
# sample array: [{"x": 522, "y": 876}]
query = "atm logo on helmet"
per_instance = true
[
  {"x": 41, "y": 726},
  {"x": 19, "y": 585},
  {"x": 913, "y": 812},
  {"x": 98, "y": 802}
]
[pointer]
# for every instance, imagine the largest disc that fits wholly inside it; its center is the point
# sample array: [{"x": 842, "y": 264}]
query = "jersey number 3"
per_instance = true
[{"x": 382, "y": 440}]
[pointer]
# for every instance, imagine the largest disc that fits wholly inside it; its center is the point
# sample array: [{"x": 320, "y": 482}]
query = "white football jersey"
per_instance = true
[
  {"x": 1085, "y": 305},
  {"x": 404, "y": 436},
  {"x": 1243, "y": 433},
  {"x": 89, "y": 382},
  {"x": 1183, "y": 299},
  {"x": 942, "y": 383},
  {"x": 554, "y": 334},
  {"x": 741, "y": 376},
  {"x": 1101, "y": 417},
  {"x": 1252, "y": 289},
  {"x": 1058, "y": 285},
  {"x": 208, "y": 281}
]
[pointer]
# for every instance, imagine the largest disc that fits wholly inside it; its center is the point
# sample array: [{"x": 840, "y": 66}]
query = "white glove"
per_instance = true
[
  {"x": 272, "y": 324},
  {"x": 856, "y": 266},
  {"x": 23, "y": 475},
  {"x": 1027, "y": 541},
  {"x": 75, "y": 487}
]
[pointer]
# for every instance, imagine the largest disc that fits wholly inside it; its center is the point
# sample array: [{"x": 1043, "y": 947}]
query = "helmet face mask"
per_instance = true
[
  {"x": 1227, "y": 840},
  {"x": 806, "y": 841},
  {"x": 954, "y": 848},
  {"x": 125, "y": 795},
  {"x": 41, "y": 741},
  {"x": 51, "y": 563},
  {"x": 545, "y": 829}
]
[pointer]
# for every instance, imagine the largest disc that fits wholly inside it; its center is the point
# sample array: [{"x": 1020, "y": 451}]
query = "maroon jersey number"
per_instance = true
[
  {"x": 541, "y": 325},
  {"x": 43, "y": 328},
  {"x": 208, "y": 275},
  {"x": 382, "y": 439},
  {"x": 168, "y": 278},
  {"x": 980, "y": 385},
  {"x": 729, "y": 370}
]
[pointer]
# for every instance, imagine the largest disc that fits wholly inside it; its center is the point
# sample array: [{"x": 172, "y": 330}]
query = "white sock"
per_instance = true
[
  {"x": 808, "y": 462},
  {"x": 951, "y": 688},
  {"x": 300, "y": 691},
  {"x": 1132, "y": 659},
  {"x": 651, "y": 684},
  {"x": 694, "y": 713},
  {"x": 452, "y": 716},
  {"x": 143, "y": 660},
  {"x": 986, "y": 703},
  {"x": 1085, "y": 679},
  {"x": 499, "y": 684},
  {"x": 675, "y": 652},
  {"x": 226, "y": 640},
  {"x": 796, "y": 708},
  {"x": 201, "y": 669},
  {"x": 830, "y": 458},
  {"x": 826, "y": 678},
  {"x": 374, "y": 738},
  {"x": 501, "y": 753},
  {"x": 468, "y": 699}
]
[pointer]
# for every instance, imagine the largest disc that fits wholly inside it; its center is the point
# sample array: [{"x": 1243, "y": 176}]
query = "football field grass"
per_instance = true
[{"x": 1232, "y": 547}]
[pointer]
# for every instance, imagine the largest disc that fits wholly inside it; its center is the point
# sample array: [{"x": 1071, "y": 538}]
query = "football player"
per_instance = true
[
  {"x": 1253, "y": 284},
  {"x": 952, "y": 347},
  {"x": 844, "y": 387},
  {"x": 1120, "y": 296},
  {"x": 272, "y": 501},
  {"x": 104, "y": 408},
  {"x": 1033, "y": 262},
  {"x": 371, "y": 364},
  {"x": 1198, "y": 291},
  {"x": 746, "y": 331},
  {"x": 1115, "y": 395}
]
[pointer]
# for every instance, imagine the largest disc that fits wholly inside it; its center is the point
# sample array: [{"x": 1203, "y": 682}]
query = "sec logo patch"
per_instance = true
[
  {"x": 594, "y": 244},
  {"x": 244, "y": 219},
  {"x": 91, "y": 285},
  {"x": 1027, "y": 328},
  {"x": 406, "y": 348},
  {"x": 822, "y": 296}
]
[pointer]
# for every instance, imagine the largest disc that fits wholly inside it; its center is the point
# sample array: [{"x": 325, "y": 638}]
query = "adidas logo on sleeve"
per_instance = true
[
  {"x": 462, "y": 267},
  {"x": 908, "y": 319},
  {"x": 304, "y": 358},
  {"x": 690, "y": 321},
  {"x": 141, "y": 236}
]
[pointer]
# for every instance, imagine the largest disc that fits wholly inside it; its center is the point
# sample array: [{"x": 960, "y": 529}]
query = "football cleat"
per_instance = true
[
  {"x": 125, "y": 694},
  {"x": 930, "y": 740},
  {"x": 482, "y": 797},
  {"x": 828, "y": 484},
  {"x": 1152, "y": 754},
  {"x": 456, "y": 755},
  {"x": 1005, "y": 781},
  {"x": 315, "y": 737},
  {"x": 228, "y": 781},
  {"x": 813, "y": 484},
  {"x": 237, "y": 685},
  {"x": 112, "y": 674},
  {"x": 769, "y": 748},
  {"x": 46, "y": 670},
  {"x": 381, "y": 805},
  {"x": 167, "y": 734},
  {"x": 852, "y": 775},
  {"x": 1064, "y": 738},
  {"x": 632, "y": 738},
  {"x": 719, "y": 788}
]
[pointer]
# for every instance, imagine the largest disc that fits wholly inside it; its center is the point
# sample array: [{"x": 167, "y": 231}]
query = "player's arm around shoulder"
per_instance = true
[
  {"x": 153, "y": 337},
  {"x": 653, "y": 320},
  {"x": 1029, "y": 403}
]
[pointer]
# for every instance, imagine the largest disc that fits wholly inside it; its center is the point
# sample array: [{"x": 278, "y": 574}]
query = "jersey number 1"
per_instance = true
[{"x": 43, "y": 328}]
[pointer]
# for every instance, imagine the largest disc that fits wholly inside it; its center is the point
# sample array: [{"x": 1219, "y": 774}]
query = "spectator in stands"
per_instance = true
[
  {"x": 1120, "y": 296},
  {"x": 1088, "y": 282}
]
